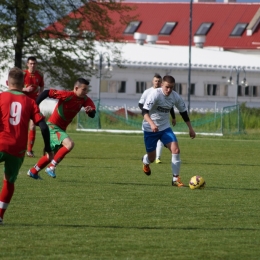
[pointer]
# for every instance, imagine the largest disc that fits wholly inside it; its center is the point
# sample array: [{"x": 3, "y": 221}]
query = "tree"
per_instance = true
[{"x": 61, "y": 34}]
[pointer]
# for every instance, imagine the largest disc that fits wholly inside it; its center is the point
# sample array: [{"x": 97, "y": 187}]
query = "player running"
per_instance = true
[
  {"x": 157, "y": 81},
  {"x": 33, "y": 86},
  {"x": 16, "y": 111},
  {"x": 69, "y": 104},
  {"x": 156, "y": 126}
]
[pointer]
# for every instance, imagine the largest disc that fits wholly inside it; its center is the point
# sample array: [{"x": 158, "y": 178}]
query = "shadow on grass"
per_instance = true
[
  {"x": 114, "y": 157},
  {"x": 206, "y": 188},
  {"x": 220, "y": 164},
  {"x": 223, "y": 188},
  {"x": 131, "y": 227}
]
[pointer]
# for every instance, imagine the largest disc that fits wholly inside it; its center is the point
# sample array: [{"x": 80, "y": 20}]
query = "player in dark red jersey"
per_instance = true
[
  {"x": 33, "y": 86},
  {"x": 69, "y": 104},
  {"x": 16, "y": 111}
]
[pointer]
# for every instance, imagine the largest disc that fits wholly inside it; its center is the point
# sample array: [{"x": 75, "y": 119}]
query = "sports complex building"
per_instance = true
[{"x": 220, "y": 49}]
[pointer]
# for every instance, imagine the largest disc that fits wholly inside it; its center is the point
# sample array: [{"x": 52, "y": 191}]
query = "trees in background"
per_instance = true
[{"x": 61, "y": 34}]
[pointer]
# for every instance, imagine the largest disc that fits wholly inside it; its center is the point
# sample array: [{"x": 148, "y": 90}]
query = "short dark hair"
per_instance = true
[
  {"x": 16, "y": 76},
  {"x": 32, "y": 58},
  {"x": 169, "y": 79},
  {"x": 158, "y": 76},
  {"x": 82, "y": 81}
]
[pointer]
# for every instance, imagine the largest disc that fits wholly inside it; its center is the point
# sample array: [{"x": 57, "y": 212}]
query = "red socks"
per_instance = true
[
  {"x": 43, "y": 162},
  {"x": 31, "y": 139},
  {"x": 59, "y": 156},
  {"x": 5, "y": 196}
]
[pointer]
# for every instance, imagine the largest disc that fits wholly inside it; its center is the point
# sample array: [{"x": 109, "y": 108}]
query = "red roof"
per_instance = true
[{"x": 224, "y": 17}]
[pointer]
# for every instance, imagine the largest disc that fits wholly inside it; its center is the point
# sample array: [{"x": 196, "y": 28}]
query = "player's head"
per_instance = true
[
  {"x": 31, "y": 63},
  {"x": 157, "y": 80},
  {"x": 15, "y": 79},
  {"x": 168, "y": 83},
  {"x": 81, "y": 87}
]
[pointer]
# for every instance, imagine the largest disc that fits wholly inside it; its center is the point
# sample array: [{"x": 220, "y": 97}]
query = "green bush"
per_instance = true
[{"x": 250, "y": 116}]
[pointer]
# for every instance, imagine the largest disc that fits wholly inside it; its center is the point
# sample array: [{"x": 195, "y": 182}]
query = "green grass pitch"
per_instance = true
[{"x": 102, "y": 206}]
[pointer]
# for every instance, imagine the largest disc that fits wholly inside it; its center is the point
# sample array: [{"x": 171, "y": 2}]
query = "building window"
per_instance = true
[
  {"x": 239, "y": 91},
  {"x": 247, "y": 91},
  {"x": 141, "y": 86},
  {"x": 251, "y": 91},
  {"x": 192, "y": 89},
  {"x": 212, "y": 89},
  {"x": 216, "y": 90},
  {"x": 182, "y": 88},
  {"x": 113, "y": 86},
  {"x": 132, "y": 27},
  {"x": 178, "y": 88},
  {"x": 239, "y": 29},
  {"x": 204, "y": 29},
  {"x": 168, "y": 28}
]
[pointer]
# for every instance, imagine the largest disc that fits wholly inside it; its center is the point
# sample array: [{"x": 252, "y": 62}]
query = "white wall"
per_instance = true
[{"x": 199, "y": 77}]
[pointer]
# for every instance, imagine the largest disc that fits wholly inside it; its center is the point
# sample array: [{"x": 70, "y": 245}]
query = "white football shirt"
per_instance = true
[
  {"x": 145, "y": 95},
  {"x": 159, "y": 106}
]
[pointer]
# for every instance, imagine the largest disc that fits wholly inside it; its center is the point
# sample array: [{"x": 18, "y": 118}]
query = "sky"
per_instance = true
[{"x": 238, "y": 1}]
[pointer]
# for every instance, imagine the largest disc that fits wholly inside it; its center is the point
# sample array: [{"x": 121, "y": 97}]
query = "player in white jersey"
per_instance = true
[
  {"x": 156, "y": 126},
  {"x": 157, "y": 81}
]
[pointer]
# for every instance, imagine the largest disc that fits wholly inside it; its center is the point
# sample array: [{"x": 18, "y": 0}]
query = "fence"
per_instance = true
[{"x": 226, "y": 121}]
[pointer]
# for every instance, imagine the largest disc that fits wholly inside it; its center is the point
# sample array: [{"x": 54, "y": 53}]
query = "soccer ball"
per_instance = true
[{"x": 197, "y": 182}]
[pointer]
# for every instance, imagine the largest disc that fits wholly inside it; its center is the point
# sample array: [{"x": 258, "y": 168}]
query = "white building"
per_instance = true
[{"x": 210, "y": 71}]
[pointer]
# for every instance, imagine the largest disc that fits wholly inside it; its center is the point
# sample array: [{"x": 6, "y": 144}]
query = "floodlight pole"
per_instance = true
[
  {"x": 100, "y": 67},
  {"x": 238, "y": 70},
  {"x": 99, "y": 86},
  {"x": 189, "y": 73},
  {"x": 99, "y": 74}
]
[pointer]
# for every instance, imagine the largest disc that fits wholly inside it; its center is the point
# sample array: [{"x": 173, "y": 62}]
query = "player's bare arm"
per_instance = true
[
  {"x": 191, "y": 131},
  {"x": 88, "y": 109},
  {"x": 186, "y": 119},
  {"x": 147, "y": 118},
  {"x": 28, "y": 89},
  {"x": 173, "y": 121}
]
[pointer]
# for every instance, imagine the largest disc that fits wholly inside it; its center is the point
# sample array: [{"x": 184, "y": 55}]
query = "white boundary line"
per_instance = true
[{"x": 138, "y": 132}]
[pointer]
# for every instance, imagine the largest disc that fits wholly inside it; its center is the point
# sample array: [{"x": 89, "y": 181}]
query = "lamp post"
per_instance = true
[
  {"x": 101, "y": 56},
  {"x": 189, "y": 74},
  {"x": 243, "y": 82}
]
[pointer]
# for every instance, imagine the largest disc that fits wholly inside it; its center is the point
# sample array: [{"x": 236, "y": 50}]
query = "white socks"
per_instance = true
[
  {"x": 176, "y": 165},
  {"x": 145, "y": 159},
  {"x": 159, "y": 148}
]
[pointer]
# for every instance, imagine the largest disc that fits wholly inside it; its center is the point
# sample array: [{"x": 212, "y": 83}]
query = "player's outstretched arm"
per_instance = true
[{"x": 42, "y": 96}]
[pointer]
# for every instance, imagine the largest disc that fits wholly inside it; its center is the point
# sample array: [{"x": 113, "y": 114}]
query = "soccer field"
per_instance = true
[{"x": 102, "y": 205}]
